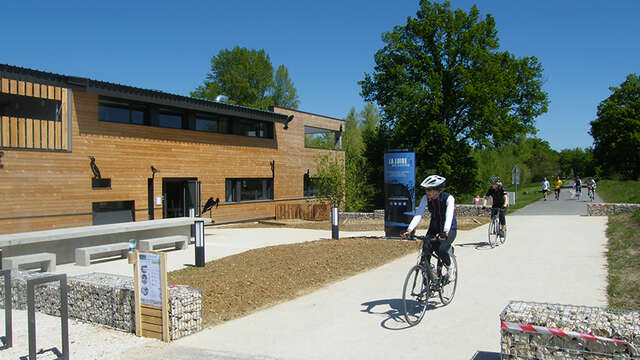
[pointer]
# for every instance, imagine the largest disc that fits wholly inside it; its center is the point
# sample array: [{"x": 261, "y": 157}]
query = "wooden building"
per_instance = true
[{"x": 76, "y": 151}]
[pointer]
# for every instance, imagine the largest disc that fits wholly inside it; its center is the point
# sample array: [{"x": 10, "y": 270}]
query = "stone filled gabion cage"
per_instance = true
[
  {"x": 531, "y": 330},
  {"x": 108, "y": 300}
]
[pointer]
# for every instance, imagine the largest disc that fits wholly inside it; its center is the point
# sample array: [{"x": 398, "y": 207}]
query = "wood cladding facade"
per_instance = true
[{"x": 51, "y": 188}]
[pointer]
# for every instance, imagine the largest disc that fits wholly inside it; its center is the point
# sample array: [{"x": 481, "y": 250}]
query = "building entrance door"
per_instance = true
[{"x": 181, "y": 197}]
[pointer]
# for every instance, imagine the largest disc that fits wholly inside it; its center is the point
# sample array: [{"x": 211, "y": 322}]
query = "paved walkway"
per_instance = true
[{"x": 547, "y": 257}]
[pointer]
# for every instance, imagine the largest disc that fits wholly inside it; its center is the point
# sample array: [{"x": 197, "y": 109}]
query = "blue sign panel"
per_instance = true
[{"x": 399, "y": 188}]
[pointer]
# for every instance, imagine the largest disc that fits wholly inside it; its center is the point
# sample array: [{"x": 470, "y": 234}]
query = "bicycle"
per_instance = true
[
  {"x": 592, "y": 193},
  {"x": 494, "y": 229},
  {"x": 423, "y": 280}
]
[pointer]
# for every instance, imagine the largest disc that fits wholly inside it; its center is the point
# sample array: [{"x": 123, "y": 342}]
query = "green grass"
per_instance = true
[
  {"x": 623, "y": 258},
  {"x": 616, "y": 191}
]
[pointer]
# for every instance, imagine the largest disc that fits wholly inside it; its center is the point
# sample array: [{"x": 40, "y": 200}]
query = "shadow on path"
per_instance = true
[
  {"x": 395, "y": 318},
  {"x": 486, "y": 355}
]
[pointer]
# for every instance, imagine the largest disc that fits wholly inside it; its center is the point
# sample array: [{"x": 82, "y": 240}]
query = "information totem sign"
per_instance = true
[
  {"x": 152, "y": 298},
  {"x": 399, "y": 190}
]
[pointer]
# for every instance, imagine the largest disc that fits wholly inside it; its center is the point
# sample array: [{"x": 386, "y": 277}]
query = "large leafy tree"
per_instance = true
[
  {"x": 616, "y": 131},
  {"x": 284, "y": 93},
  {"x": 443, "y": 87},
  {"x": 246, "y": 76}
]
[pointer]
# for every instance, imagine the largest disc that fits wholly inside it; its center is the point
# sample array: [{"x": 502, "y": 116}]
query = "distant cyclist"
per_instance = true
[
  {"x": 500, "y": 201},
  {"x": 578, "y": 186},
  {"x": 558, "y": 185},
  {"x": 443, "y": 226},
  {"x": 591, "y": 185}
]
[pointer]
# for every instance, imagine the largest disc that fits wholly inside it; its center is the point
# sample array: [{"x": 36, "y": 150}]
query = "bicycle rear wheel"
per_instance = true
[
  {"x": 415, "y": 295},
  {"x": 448, "y": 287}
]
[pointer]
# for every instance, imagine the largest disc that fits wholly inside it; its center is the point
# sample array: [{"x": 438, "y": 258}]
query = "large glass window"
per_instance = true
[
  {"x": 322, "y": 138},
  {"x": 237, "y": 190},
  {"x": 30, "y": 107},
  {"x": 121, "y": 113},
  {"x": 170, "y": 120}
]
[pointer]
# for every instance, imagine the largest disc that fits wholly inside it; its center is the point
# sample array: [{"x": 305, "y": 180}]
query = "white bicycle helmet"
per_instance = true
[{"x": 433, "y": 181}]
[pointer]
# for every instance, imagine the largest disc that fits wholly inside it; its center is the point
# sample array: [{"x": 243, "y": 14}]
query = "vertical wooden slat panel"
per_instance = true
[
  {"x": 5, "y": 85},
  {"x": 29, "y": 132},
  {"x": 22, "y": 132},
  {"x": 13, "y": 87},
  {"x": 58, "y": 93},
  {"x": 36, "y": 90},
  {"x": 51, "y": 92},
  {"x": 43, "y": 134},
  {"x": 58, "y": 139},
  {"x": 51, "y": 136},
  {"x": 29, "y": 89},
  {"x": 37, "y": 134},
  {"x": 21, "y": 88},
  {"x": 13, "y": 132},
  {"x": 65, "y": 129},
  {"x": 5, "y": 131}
]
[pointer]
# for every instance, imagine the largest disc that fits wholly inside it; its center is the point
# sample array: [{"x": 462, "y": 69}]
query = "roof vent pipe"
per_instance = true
[{"x": 222, "y": 98}]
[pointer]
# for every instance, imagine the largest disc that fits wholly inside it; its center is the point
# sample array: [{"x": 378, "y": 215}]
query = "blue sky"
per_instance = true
[{"x": 327, "y": 46}]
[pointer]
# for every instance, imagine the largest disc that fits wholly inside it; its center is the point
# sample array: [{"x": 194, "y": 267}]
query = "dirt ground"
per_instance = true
[{"x": 240, "y": 284}]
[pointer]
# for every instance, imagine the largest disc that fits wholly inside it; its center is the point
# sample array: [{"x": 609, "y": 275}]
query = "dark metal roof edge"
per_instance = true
[
  {"x": 304, "y": 112},
  {"x": 134, "y": 93}
]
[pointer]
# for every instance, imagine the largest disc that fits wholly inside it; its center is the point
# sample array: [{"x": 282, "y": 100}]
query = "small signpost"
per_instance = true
[
  {"x": 515, "y": 179},
  {"x": 152, "y": 298}
]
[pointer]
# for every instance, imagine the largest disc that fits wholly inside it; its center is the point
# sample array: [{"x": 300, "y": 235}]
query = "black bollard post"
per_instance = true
[
  {"x": 199, "y": 235},
  {"x": 334, "y": 223}
]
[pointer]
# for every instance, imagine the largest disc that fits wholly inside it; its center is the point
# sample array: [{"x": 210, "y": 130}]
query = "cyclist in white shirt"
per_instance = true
[{"x": 443, "y": 226}]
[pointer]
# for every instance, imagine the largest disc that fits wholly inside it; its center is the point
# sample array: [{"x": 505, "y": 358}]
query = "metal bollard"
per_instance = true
[{"x": 199, "y": 235}]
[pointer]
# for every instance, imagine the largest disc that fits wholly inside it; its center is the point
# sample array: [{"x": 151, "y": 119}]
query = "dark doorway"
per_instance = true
[{"x": 181, "y": 197}]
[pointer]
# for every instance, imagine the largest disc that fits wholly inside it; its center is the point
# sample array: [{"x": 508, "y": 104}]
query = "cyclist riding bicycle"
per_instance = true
[
  {"x": 591, "y": 185},
  {"x": 500, "y": 201},
  {"x": 578, "y": 187},
  {"x": 558, "y": 185},
  {"x": 443, "y": 226}
]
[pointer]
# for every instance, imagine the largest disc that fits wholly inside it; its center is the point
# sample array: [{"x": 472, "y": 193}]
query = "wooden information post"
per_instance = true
[{"x": 152, "y": 298}]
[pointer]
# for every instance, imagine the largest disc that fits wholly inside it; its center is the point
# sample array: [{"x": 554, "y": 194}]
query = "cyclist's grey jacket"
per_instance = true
[{"x": 443, "y": 215}]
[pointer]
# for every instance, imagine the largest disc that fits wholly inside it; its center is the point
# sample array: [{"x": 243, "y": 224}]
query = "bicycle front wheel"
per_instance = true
[
  {"x": 493, "y": 233},
  {"x": 415, "y": 295},
  {"x": 448, "y": 286}
]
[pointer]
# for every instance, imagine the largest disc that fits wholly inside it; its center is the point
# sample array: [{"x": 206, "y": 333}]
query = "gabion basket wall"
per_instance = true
[
  {"x": 108, "y": 300},
  {"x": 533, "y": 330}
]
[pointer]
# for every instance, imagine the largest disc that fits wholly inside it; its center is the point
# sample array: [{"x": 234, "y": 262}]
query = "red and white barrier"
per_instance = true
[{"x": 551, "y": 331}]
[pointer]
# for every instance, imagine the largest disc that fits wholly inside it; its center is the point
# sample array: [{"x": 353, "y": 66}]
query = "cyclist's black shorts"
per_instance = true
[{"x": 501, "y": 212}]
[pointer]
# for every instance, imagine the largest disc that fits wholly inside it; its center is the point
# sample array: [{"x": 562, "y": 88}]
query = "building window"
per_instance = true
[
  {"x": 311, "y": 186},
  {"x": 122, "y": 113},
  {"x": 30, "y": 107},
  {"x": 170, "y": 120},
  {"x": 238, "y": 190},
  {"x": 322, "y": 138}
]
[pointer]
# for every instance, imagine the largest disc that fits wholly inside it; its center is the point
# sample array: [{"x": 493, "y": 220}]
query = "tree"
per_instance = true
[
  {"x": 441, "y": 75},
  {"x": 616, "y": 131},
  {"x": 284, "y": 93},
  {"x": 247, "y": 78},
  {"x": 330, "y": 179}
]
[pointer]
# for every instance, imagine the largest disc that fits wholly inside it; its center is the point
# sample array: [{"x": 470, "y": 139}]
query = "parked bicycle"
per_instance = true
[
  {"x": 495, "y": 235},
  {"x": 424, "y": 280}
]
